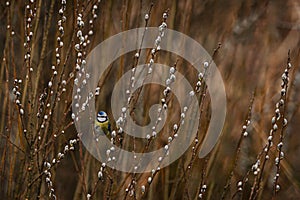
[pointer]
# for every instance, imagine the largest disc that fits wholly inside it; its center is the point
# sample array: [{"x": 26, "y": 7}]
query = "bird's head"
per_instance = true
[{"x": 102, "y": 116}]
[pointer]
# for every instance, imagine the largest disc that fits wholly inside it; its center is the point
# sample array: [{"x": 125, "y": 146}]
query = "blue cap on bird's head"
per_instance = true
[{"x": 102, "y": 114}]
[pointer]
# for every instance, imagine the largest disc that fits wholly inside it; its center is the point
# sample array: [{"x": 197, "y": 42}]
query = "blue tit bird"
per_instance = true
[{"x": 102, "y": 123}]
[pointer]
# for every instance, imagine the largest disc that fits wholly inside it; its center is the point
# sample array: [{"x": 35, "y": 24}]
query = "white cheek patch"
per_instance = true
[{"x": 101, "y": 119}]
